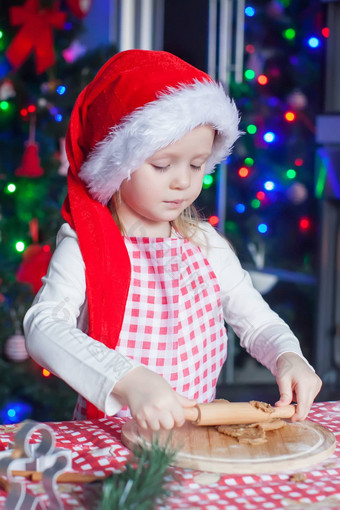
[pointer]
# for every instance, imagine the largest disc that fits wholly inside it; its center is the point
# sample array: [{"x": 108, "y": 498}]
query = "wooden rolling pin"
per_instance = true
[
  {"x": 222, "y": 412},
  {"x": 68, "y": 477}
]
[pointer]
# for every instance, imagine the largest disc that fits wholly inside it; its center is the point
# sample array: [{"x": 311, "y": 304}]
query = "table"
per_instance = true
[{"x": 193, "y": 490}]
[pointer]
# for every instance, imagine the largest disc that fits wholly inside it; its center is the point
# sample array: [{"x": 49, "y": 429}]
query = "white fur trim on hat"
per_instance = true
[{"x": 156, "y": 125}]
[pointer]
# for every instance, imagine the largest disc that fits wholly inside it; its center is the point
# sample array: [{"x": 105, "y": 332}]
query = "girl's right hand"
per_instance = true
[{"x": 152, "y": 401}]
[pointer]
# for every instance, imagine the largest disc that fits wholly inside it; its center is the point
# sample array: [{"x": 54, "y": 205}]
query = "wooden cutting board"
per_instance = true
[{"x": 297, "y": 445}]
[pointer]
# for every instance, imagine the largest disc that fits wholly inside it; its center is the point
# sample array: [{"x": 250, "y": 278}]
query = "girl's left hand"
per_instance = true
[{"x": 296, "y": 382}]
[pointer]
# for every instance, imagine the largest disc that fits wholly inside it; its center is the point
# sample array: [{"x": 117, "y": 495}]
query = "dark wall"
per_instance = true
[{"x": 186, "y": 30}]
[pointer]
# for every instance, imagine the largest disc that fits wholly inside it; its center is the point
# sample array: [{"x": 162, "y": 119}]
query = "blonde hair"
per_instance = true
[{"x": 186, "y": 224}]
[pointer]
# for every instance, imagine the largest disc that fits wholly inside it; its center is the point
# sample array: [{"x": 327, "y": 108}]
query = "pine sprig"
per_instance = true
[{"x": 141, "y": 483}]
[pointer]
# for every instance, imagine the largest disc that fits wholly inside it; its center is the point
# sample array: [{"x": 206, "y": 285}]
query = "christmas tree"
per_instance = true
[
  {"x": 271, "y": 176},
  {"x": 271, "y": 205},
  {"x": 36, "y": 99}
]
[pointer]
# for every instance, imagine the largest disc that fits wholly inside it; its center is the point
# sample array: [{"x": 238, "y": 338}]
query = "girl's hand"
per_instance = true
[
  {"x": 152, "y": 401},
  {"x": 297, "y": 382}
]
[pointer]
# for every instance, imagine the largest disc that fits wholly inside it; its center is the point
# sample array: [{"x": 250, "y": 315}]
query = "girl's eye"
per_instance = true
[
  {"x": 160, "y": 168},
  {"x": 165, "y": 168}
]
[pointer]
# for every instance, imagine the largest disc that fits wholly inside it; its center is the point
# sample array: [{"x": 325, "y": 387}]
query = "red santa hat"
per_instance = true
[{"x": 138, "y": 103}]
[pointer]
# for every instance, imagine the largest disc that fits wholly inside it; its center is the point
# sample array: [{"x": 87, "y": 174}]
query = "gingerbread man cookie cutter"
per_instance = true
[{"x": 42, "y": 456}]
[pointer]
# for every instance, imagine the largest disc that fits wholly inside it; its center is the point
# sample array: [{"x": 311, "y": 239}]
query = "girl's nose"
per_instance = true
[{"x": 181, "y": 179}]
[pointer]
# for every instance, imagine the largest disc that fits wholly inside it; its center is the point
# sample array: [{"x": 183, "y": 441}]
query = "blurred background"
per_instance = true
[{"x": 276, "y": 198}]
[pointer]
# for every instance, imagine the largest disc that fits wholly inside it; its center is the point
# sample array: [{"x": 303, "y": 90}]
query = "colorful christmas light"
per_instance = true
[
  {"x": 262, "y": 228},
  {"x": 255, "y": 203},
  {"x": 61, "y": 90},
  {"x": 243, "y": 172},
  {"x": 290, "y": 116},
  {"x": 15, "y": 412},
  {"x": 4, "y": 105},
  {"x": 207, "y": 181},
  {"x": 260, "y": 195},
  {"x": 230, "y": 226},
  {"x": 251, "y": 129},
  {"x": 249, "y": 74},
  {"x": 240, "y": 208},
  {"x": 20, "y": 246},
  {"x": 10, "y": 188},
  {"x": 313, "y": 42},
  {"x": 262, "y": 79},
  {"x": 269, "y": 185},
  {"x": 249, "y": 161},
  {"x": 289, "y": 34},
  {"x": 249, "y": 11},
  {"x": 269, "y": 137},
  {"x": 214, "y": 220},
  {"x": 291, "y": 173},
  {"x": 304, "y": 223}
]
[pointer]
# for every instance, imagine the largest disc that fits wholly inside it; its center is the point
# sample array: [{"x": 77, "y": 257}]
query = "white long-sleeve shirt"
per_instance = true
[{"x": 56, "y": 324}]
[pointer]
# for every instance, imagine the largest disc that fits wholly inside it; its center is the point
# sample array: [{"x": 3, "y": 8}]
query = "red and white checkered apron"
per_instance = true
[{"x": 173, "y": 321}]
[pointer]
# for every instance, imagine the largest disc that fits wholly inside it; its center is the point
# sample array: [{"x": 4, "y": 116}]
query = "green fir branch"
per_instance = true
[{"x": 142, "y": 483}]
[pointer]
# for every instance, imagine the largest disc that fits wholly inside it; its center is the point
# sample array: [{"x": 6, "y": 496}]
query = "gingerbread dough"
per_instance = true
[
  {"x": 267, "y": 408},
  {"x": 254, "y": 433}
]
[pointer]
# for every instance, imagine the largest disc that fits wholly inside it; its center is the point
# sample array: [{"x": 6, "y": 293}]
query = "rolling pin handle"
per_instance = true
[
  {"x": 285, "y": 411},
  {"x": 192, "y": 414},
  {"x": 231, "y": 413}
]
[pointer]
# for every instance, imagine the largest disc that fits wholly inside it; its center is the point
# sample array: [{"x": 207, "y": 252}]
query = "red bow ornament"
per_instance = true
[
  {"x": 35, "y": 34},
  {"x": 80, "y": 8}
]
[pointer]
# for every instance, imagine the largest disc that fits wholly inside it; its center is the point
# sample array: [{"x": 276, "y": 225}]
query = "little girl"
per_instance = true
[{"x": 131, "y": 313}]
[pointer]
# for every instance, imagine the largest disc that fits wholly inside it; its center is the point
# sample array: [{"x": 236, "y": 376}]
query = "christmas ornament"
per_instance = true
[
  {"x": 74, "y": 51},
  {"x": 62, "y": 158},
  {"x": 34, "y": 229},
  {"x": 297, "y": 100},
  {"x": 35, "y": 34},
  {"x": 15, "y": 348},
  {"x": 80, "y": 8},
  {"x": 43, "y": 103},
  {"x": 30, "y": 165},
  {"x": 6, "y": 90},
  {"x": 34, "y": 264},
  {"x": 297, "y": 193},
  {"x": 48, "y": 87}
]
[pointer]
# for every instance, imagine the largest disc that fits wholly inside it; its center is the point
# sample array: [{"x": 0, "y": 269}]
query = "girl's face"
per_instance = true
[{"x": 167, "y": 183}]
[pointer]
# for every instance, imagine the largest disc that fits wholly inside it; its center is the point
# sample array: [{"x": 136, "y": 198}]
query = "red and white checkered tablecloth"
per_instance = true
[{"x": 194, "y": 489}]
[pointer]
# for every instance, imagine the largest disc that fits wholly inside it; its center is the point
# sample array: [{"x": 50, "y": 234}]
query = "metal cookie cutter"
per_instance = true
[{"x": 43, "y": 457}]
